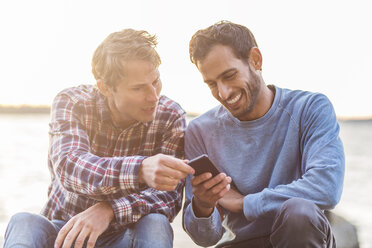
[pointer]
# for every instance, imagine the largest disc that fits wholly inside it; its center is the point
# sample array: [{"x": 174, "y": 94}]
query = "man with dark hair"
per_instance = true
[
  {"x": 280, "y": 148},
  {"x": 115, "y": 157}
]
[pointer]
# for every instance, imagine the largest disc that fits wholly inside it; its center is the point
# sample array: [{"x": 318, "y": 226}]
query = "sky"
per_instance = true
[{"x": 320, "y": 46}]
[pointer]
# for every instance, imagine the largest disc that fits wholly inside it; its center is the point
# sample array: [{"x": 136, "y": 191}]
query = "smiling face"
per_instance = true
[
  {"x": 135, "y": 97},
  {"x": 236, "y": 84}
]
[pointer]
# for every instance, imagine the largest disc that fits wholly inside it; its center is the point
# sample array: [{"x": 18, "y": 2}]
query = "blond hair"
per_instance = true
[{"x": 119, "y": 47}]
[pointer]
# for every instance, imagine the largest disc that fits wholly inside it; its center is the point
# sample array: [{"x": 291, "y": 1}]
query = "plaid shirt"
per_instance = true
[{"x": 91, "y": 160}]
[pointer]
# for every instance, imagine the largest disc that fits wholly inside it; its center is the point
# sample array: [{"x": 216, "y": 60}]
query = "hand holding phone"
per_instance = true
[
  {"x": 202, "y": 164},
  {"x": 205, "y": 199}
]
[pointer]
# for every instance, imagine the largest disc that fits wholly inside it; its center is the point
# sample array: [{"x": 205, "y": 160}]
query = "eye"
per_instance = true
[
  {"x": 156, "y": 82},
  {"x": 230, "y": 76},
  {"x": 211, "y": 84}
]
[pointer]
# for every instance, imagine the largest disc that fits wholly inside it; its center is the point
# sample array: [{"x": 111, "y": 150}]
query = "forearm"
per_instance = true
[
  {"x": 131, "y": 208},
  {"x": 97, "y": 178},
  {"x": 205, "y": 231},
  {"x": 200, "y": 211},
  {"x": 323, "y": 186},
  {"x": 233, "y": 201}
]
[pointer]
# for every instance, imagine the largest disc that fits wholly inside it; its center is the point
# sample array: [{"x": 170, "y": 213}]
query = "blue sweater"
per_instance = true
[{"x": 294, "y": 150}]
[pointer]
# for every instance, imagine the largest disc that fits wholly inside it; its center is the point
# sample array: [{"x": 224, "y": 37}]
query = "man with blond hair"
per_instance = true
[{"x": 115, "y": 156}]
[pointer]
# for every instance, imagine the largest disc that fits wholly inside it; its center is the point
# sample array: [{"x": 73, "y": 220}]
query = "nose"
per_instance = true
[
  {"x": 152, "y": 94},
  {"x": 224, "y": 91}
]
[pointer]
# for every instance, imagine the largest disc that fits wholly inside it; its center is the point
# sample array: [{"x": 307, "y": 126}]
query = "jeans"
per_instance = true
[
  {"x": 31, "y": 230},
  {"x": 299, "y": 223}
]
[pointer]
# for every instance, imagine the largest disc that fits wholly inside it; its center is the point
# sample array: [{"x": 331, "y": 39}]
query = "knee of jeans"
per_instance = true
[
  {"x": 27, "y": 228},
  {"x": 155, "y": 220},
  {"x": 154, "y": 228},
  {"x": 296, "y": 209},
  {"x": 25, "y": 219}
]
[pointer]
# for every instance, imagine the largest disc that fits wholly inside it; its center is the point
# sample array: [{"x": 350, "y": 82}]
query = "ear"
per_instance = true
[
  {"x": 103, "y": 88},
  {"x": 255, "y": 58}
]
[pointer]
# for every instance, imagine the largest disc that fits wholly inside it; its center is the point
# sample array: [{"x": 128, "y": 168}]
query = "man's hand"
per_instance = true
[
  {"x": 163, "y": 172},
  {"x": 90, "y": 223},
  {"x": 207, "y": 191},
  {"x": 232, "y": 201}
]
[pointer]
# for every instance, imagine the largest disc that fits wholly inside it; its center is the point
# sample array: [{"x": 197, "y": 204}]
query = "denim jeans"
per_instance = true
[{"x": 31, "y": 230}]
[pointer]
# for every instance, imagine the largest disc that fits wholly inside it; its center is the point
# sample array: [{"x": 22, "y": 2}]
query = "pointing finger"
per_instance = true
[{"x": 178, "y": 164}]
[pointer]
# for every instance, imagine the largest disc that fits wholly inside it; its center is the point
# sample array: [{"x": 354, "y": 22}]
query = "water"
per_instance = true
[{"x": 24, "y": 175}]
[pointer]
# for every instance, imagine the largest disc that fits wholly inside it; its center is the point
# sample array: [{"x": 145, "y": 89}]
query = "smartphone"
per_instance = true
[{"x": 202, "y": 164}]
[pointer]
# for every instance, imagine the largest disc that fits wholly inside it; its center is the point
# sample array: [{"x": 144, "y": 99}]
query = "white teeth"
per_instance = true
[{"x": 234, "y": 100}]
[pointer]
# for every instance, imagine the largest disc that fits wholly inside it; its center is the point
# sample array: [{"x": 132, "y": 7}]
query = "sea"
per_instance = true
[{"x": 24, "y": 176}]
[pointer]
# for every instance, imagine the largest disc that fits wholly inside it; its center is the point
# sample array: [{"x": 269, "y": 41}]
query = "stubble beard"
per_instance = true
[{"x": 253, "y": 91}]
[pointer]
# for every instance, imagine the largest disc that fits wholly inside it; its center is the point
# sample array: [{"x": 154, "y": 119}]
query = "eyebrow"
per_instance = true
[
  {"x": 221, "y": 74},
  {"x": 143, "y": 84}
]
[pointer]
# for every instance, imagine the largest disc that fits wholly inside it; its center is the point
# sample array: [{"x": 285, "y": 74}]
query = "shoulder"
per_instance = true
[
  {"x": 169, "y": 114},
  {"x": 309, "y": 110},
  {"x": 82, "y": 101},
  {"x": 301, "y": 98},
  {"x": 299, "y": 103},
  {"x": 170, "y": 107},
  {"x": 81, "y": 93}
]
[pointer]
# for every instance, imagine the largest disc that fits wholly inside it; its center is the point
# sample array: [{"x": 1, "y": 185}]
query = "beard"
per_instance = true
[{"x": 252, "y": 91}]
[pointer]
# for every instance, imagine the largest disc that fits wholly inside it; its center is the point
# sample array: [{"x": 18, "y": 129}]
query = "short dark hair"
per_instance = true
[
  {"x": 119, "y": 47},
  {"x": 239, "y": 38}
]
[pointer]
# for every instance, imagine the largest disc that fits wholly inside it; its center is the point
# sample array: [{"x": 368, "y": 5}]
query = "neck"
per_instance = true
[
  {"x": 267, "y": 99},
  {"x": 117, "y": 119},
  {"x": 263, "y": 103}
]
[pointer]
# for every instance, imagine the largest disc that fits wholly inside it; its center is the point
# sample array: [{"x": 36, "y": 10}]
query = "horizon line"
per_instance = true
[{"x": 45, "y": 108}]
